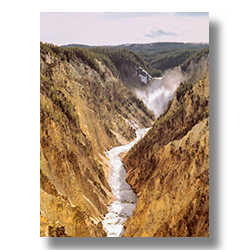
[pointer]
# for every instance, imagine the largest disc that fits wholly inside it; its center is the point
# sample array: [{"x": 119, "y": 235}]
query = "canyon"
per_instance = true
[{"x": 86, "y": 112}]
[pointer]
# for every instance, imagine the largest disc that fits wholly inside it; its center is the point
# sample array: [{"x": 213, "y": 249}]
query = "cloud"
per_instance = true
[{"x": 160, "y": 32}]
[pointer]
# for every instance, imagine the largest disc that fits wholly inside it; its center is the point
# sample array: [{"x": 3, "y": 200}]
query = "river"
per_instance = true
[{"x": 125, "y": 198}]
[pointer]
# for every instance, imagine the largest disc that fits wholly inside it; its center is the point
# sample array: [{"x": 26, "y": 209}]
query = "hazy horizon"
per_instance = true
[{"x": 129, "y": 44}]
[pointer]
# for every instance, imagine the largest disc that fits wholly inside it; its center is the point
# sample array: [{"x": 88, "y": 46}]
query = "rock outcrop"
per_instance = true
[
  {"x": 197, "y": 69},
  {"x": 82, "y": 114},
  {"x": 169, "y": 170}
]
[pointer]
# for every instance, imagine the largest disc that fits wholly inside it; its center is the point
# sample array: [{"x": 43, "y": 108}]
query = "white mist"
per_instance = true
[{"x": 162, "y": 90}]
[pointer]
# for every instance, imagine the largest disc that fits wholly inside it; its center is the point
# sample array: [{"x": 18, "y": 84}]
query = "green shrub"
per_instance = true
[
  {"x": 140, "y": 104},
  {"x": 183, "y": 89},
  {"x": 59, "y": 100}
]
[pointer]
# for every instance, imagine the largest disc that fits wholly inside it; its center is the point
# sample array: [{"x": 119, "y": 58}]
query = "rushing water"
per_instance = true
[
  {"x": 162, "y": 90},
  {"x": 125, "y": 198}
]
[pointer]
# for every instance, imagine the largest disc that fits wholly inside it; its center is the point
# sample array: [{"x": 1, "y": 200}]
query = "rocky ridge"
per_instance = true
[{"x": 197, "y": 69}]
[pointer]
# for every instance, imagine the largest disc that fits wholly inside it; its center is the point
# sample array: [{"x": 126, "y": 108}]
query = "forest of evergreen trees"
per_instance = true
[
  {"x": 154, "y": 58},
  {"x": 72, "y": 53},
  {"x": 116, "y": 56}
]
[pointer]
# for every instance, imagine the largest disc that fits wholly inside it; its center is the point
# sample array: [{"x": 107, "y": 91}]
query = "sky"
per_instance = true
[{"x": 114, "y": 28}]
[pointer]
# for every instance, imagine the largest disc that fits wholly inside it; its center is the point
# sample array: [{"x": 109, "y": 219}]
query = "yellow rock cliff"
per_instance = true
[
  {"x": 169, "y": 171},
  {"x": 82, "y": 114}
]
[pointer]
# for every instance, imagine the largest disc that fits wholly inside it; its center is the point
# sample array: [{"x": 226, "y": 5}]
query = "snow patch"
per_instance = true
[{"x": 143, "y": 78}]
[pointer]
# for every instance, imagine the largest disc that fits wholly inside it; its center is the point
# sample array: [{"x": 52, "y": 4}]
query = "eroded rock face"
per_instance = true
[
  {"x": 82, "y": 114},
  {"x": 169, "y": 171},
  {"x": 197, "y": 69}
]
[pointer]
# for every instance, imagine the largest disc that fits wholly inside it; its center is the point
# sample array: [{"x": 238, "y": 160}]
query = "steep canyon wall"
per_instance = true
[
  {"x": 169, "y": 170},
  {"x": 82, "y": 114}
]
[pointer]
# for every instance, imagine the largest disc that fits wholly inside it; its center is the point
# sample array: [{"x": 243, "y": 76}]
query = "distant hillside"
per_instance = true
[
  {"x": 154, "y": 57},
  {"x": 76, "y": 45},
  {"x": 196, "y": 57},
  {"x": 118, "y": 56},
  {"x": 164, "y": 57},
  {"x": 152, "y": 47},
  {"x": 148, "y": 47},
  {"x": 127, "y": 65}
]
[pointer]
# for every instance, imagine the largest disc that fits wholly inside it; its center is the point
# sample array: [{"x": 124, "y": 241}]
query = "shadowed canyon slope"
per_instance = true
[
  {"x": 169, "y": 170},
  {"x": 82, "y": 114}
]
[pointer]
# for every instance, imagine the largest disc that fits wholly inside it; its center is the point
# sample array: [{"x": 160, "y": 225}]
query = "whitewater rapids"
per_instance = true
[{"x": 125, "y": 198}]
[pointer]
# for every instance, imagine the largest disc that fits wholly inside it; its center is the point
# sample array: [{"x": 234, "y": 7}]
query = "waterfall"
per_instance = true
[
  {"x": 162, "y": 90},
  {"x": 125, "y": 198}
]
